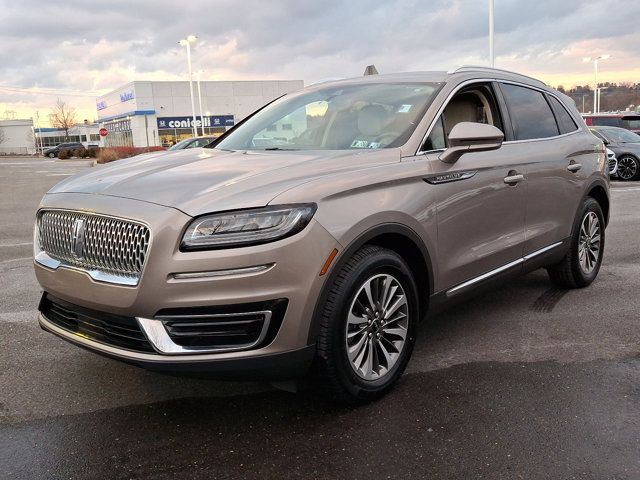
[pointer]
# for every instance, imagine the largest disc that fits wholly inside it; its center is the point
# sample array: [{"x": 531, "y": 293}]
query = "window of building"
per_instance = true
[
  {"x": 531, "y": 115},
  {"x": 287, "y": 126},
  {"x": 565, "y": 121},
  {"x": 272, "y": 128}
]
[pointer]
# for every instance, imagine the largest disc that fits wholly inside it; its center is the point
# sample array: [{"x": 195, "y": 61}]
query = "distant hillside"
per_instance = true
[{"x": 613, "y": 97}]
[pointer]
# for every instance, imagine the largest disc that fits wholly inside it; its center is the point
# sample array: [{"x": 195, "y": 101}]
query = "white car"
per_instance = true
[{"x": 613, "y": 162}]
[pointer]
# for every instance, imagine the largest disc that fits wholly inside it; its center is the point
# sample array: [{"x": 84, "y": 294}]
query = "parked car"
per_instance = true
[
  {"x": 626, "y": 146},
  {"x": 193, "y": 142},
  {"x": 417, "y": 190},
  {"x": 626, "y": 120},
  {"x": 69, "y": 146},
  {"x": 612, "y": 162}
]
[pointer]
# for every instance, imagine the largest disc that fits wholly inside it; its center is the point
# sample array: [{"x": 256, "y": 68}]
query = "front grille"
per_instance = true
[
  {"x": 94, "y": 242},
  {"x": 114, "y": 330}
]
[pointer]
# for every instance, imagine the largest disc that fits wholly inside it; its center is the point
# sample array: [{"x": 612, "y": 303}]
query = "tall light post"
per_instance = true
[
  {"x": 200, "y": 101},
  {"x": 491, "y": 28},
  {"x": 595, "y": 78},
  {"x": 186, "y": 42},
  {"x": 208, "y": 114}
]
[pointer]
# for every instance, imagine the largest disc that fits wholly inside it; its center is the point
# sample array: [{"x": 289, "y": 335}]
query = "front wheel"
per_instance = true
[
  {"x": 628, "y": 168},
  {"x": 581, "y": 264},
  {"x": 368, "y": 326}
]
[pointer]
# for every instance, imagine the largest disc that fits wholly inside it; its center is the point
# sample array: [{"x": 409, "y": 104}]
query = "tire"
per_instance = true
[
  {"x": 628, "y": 168},
  {"x": 578, "y": 270},
  {"x": 52, "y": 155},
  {"x": 344, "y": 323}
]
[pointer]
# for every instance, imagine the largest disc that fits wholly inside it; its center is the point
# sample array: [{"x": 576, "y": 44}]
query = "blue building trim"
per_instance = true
[{"x": 125, "y": 115}]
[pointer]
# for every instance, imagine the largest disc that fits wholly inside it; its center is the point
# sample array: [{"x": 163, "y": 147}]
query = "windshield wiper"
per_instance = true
[{"x": 281, "y": 149}]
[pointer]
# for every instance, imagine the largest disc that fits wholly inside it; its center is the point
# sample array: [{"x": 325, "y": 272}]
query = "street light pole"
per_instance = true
[
  {"x": 186, "y": 42},
  {"x": 491, "y": 29},
  {"x": 200, "y": 101},
  {"x": 595, "y": 88},
  {"x": 596, "y": 106}
]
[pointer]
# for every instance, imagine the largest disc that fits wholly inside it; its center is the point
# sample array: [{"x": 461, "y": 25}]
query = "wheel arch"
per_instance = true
[
  {"x": 599, "y": 193},
  {"x": 393, "y": 236}
]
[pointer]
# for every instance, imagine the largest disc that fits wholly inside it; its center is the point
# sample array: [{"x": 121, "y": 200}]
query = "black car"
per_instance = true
[
  {"x": 54, "y": 151},
  {"x": 626, "y": 145}
]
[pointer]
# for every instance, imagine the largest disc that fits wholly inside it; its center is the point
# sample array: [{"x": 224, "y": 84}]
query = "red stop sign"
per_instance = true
[{"x": 103, "y": 132}]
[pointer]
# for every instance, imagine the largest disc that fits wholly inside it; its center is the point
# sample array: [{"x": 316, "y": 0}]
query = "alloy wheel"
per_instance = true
[
  {"x": 377, "y": 324},
  {"x": 589, "y": 242},
  {"x": 627, "y": 168}
]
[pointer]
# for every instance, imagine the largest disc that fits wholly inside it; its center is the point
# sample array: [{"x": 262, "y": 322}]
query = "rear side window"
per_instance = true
[
  {"x": 530, "y": 113},
  {"x": 565, "y": 121},
  {"x": 606, "y": 121}
]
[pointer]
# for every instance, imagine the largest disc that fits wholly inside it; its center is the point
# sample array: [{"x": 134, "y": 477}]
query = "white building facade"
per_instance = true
[
  {"x": 87, "y": 134},
  {"x": 17, "y": 137},
  {"x": 148, "y": 113}
]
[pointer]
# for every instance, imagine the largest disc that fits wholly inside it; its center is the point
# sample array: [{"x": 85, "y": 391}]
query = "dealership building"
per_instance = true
[
  {"x": 149, "y": 113},
  {"x": 16, "y": 137}
]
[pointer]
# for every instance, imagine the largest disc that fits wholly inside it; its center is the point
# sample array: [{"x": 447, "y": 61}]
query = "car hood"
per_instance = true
[{"x": 200, "y": 180}]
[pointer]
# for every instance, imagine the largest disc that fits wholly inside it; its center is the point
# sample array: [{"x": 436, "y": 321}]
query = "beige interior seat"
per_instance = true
[{"x": 464, "y": 108}]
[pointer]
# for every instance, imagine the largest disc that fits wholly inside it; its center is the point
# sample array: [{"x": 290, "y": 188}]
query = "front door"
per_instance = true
[{"x": 480, "y": 199}]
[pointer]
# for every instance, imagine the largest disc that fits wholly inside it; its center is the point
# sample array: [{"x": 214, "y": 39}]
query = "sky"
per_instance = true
[{"x": 79, "y": 49}]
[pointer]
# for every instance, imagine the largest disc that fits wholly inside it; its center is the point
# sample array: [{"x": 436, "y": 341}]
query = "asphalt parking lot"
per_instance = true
[{"x": 527, "y": 381}]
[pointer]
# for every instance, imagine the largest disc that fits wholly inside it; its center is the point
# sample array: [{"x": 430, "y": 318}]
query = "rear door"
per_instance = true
[{"x": 547, "y": 136}]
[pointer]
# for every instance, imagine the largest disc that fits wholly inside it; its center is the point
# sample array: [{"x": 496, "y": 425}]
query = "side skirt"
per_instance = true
[{"x": 544, "y": 257}]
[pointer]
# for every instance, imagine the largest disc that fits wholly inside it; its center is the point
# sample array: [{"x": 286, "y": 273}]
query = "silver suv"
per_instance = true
[{"x": 317, "y": 233}]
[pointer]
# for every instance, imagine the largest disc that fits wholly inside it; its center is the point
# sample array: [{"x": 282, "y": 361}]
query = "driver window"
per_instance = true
[{"x": 476, "y": 104}]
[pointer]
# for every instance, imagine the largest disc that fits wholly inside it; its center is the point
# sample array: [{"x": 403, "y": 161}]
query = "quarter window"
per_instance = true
[
  {"x": 435, "y": 140},
  {"x": 531, "y": 115},
  {"x": 565, "y": 121}
]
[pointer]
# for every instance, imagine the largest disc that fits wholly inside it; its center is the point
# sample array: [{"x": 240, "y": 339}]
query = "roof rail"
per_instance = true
[{"x": 473, "y": 68}]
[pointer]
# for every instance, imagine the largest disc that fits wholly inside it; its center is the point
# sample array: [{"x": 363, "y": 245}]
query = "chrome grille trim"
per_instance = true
[{"x": 109, "y": 249}]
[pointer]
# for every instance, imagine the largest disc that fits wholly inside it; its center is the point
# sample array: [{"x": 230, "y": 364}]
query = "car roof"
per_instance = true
[{"x": 459, "y": 73}]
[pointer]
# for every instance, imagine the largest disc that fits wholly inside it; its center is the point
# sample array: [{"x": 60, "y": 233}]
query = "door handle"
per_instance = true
[
  {"x": 513, "y": 179},
  {"x": 574, "y": 167}
]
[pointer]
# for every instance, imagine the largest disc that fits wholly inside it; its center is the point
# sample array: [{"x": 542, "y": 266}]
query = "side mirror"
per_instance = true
[{"x": 471, "y": 137}]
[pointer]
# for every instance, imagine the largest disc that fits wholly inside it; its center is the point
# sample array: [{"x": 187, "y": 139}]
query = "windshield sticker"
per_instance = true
[
  {"x": 404, "y": 108},
  {"x": 374, "y": 145},
  {"x": 360, "y": 144}
]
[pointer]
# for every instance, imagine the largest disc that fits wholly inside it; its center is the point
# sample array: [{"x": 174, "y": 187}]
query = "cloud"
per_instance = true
[{"x": 98, "y": 46}]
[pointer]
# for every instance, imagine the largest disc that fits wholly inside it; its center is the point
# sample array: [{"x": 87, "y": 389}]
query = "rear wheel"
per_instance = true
[
  {"x": 628, "y": 168},
  {"x": 582, "y": 262},
  {"x": 368, "y": 326},
  {"x": 52, "y": 155}
]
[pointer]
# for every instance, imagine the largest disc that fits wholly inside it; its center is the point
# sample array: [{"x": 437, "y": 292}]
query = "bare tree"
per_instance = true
[
  {"x": 63, "y": 116},
  {"x": 3, "y": 136}
]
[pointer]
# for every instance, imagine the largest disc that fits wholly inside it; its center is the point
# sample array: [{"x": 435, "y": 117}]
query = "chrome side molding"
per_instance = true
[{"x": 485, "y": 276}]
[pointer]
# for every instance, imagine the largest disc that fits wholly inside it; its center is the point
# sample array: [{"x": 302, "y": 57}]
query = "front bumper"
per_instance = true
[
  {"x": 271, "y": 366},
  {"x": 294, "y": 276}
]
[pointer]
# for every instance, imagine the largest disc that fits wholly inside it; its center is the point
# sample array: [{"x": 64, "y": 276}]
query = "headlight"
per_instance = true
[{"x": 246, "y": 227}]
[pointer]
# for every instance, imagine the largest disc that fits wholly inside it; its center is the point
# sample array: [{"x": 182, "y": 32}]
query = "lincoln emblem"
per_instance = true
[{"x": 77, "y": 242}]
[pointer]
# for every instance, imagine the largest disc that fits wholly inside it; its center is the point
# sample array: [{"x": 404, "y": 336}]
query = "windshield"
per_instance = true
[
  {"x": 181, "y": 145},
  {"x": 345, "y": 117},
  {"x": 620, "y": 135}
]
